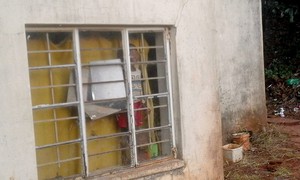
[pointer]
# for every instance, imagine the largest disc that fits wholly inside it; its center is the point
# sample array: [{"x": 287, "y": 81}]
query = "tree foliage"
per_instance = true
[{"x": 281, "y": 38}]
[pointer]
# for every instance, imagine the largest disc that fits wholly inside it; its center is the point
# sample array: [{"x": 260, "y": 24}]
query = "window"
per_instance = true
[{"x": 101, "y": 98}]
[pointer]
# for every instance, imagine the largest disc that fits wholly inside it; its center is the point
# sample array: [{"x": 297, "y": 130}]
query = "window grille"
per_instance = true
[{"x": 101, "y": 98}]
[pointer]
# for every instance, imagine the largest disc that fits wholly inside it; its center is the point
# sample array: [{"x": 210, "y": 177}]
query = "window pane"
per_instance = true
[
  {"x": 151, "y": 104},
  {"x": 99, "y": 45},
  {"x": 152, "y": 144},
  {"x": 46, "y": 49},
  {"x": 50, "y": 86},
  {"x": 36, "y": 41}
]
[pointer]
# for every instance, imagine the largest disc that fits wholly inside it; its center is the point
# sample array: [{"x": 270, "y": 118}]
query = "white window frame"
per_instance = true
[{"x": 77, "y": 60}]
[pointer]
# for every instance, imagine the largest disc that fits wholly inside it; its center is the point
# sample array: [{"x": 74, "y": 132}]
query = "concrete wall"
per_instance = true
[
  {"x": 240, "y": 62},
  {"x": 204, "y": 32},
  {"x": 198, "y": 87}
]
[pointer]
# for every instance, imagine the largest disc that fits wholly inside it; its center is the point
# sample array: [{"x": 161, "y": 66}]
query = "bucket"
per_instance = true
[
  {"x": 233, "y": 152},
  {"x": 242, "y": 138}
]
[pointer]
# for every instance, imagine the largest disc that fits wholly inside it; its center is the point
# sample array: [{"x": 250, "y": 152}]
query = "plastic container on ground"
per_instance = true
[{"x": 233, "y": 152}]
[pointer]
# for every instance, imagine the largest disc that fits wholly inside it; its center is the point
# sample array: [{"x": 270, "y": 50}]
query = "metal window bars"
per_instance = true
[{"x": 65, "y": 136}]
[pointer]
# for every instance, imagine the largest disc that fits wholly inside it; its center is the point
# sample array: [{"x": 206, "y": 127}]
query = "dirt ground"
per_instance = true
[{"x": 274, "y": 153}]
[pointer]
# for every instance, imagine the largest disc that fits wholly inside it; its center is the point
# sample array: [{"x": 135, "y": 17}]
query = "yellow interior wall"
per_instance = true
[{"x": 68, "y": 130}]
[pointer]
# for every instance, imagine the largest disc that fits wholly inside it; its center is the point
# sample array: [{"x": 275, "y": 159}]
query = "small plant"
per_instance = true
[{"x": 279, "y": 70}]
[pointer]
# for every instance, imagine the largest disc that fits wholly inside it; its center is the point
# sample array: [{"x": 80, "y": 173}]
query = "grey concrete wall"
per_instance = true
[
  {"x": 204, "y": 31},
  {"x": 240, "y": 62}
]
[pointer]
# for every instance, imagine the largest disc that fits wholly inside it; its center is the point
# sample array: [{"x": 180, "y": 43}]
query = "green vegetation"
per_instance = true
[{"x": 281, "y": 39}]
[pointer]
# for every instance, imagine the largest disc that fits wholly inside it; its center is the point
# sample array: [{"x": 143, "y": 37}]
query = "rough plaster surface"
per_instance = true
[
  {"x": 240, "y": 61},
  {"x": 204, "y": 36},
  {"x": 16, "y": 130},
  {"x": 198, "y": 88}
]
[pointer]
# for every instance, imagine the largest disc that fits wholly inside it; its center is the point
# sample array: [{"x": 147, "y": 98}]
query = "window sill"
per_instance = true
[{"x": 163, "y": 166}]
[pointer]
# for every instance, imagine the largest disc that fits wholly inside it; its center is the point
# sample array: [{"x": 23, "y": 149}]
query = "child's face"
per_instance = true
[{"x": 134, "y": 55}]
